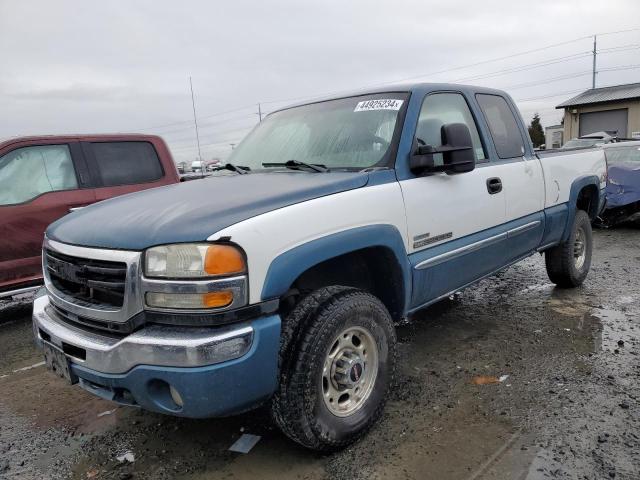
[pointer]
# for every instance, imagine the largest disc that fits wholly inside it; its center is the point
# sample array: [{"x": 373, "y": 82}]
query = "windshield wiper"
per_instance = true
[
  {"x": 234, "y": 168},
  {"x": 296, "y": 164}
]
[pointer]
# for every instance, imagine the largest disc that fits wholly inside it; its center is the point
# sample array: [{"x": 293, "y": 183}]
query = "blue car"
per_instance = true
[{"x": 623, "y": 184}]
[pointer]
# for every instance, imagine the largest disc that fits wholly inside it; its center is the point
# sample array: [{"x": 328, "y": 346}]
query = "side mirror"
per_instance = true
[{"x": 457, "y": 152}]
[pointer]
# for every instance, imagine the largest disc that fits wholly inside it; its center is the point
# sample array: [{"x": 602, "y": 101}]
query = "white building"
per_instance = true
[{"x": 553, "y": 136}]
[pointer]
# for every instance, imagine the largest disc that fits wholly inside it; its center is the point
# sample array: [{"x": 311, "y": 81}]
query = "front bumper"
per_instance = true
[{"x": 216, "y": 371}]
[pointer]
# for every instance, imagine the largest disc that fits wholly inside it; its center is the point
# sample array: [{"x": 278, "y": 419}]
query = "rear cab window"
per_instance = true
[
  {"x": 503, "y": 125},
  {"x": 28, "y": 172},
  {"x": 126, "y": 163}
]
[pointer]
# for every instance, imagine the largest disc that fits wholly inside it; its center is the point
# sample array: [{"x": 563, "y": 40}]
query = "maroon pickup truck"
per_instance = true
[{"x": 44, "y": 178}]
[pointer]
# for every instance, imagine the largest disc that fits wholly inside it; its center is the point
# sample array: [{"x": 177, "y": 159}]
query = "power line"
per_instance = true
[
  {"x": 549, "y": 80},
  {"x": 191, "y": 147},
  {"x": 205, "y": 116},
  {"x": 530, "y": 66},
  {"x": 208, "y": 126},
  {"x": 624, "y": 67},
  {"x": 241, "y": 129},
  {"x": 522, "y": 100},
  {"x": 460, "y": 67},
  {"x": 521, "y": 68},
  {"x": 619, "y": 31},
  {"x": 622, "y": 48},
  {"x": 511, "y": 87}
]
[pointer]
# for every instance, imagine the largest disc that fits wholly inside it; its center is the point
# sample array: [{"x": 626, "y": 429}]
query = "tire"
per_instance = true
[
  {"x": 308, "y": 406},
  {"x": 568, "y": 263}
]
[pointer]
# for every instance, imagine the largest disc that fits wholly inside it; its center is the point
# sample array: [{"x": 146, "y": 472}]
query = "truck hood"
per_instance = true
[{"x": 194, "y": 210}]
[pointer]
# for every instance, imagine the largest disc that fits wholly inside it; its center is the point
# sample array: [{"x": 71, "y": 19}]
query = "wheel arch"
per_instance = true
[
  {"x": 584, "y": 195},
  {"x": 371, "y": 257}
]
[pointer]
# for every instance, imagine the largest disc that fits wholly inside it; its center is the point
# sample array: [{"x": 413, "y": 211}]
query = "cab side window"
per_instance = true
[
  {"x": 439, "y": 109},
  {"x": 28, "y": 172},
  {"x": 502, "y": 125},
  {"x": 126, "y": 163}
]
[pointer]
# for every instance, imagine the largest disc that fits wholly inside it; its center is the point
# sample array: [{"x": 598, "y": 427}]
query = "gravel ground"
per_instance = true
[{"x": 568, "y": 408}]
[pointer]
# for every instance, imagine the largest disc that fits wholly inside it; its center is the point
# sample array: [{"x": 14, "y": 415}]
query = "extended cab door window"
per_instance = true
[
  {"x": 28, "y": 172},
  {"x": 502, "y": 125},
  {"x": 439, "y": 109},
  {"x": 125, "y": 163},
  {"x": 521, "y": 173}
]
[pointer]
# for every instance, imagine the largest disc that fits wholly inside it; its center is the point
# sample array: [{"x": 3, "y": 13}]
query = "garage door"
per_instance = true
[{"x": 611, "y": 121}]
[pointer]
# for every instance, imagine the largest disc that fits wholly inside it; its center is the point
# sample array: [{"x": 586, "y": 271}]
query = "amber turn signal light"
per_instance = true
[
  {"x": 217, "y": 299},
  {"x": 223, "y": 260}
]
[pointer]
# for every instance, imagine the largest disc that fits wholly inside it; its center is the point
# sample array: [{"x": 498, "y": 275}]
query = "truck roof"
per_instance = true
[
  {"x": 79, "y": 137},
  {"x": 417, "y": 88}
]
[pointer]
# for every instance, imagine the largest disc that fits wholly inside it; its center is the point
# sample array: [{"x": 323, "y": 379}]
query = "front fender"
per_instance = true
[{"x": 288, "y": 266}]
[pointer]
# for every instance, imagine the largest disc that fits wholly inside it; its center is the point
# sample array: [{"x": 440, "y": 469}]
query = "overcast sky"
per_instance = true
[{"x": 121, "y": 66}]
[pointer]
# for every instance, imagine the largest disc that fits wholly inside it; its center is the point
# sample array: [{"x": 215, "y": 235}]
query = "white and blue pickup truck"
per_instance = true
[{"x": 279, "y": 280}]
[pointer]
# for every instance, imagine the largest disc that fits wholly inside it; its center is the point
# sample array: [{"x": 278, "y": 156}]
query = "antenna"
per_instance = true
[
  {"x": 195, "y": 119},
  {"x": 593, "y": 71}
]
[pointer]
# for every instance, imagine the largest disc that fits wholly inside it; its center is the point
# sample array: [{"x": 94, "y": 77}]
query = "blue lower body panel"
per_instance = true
[
  {"x": 504, "y": 244},
  {"x": 210, "y": 391}
]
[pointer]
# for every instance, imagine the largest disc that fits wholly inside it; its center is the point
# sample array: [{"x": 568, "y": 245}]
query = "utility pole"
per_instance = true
[
  {"x": 195, "y": 119},
  {"x": 593, "y": 72},
  {"x": 259, "y": 112},
  {"x": 233, "y": 145}
]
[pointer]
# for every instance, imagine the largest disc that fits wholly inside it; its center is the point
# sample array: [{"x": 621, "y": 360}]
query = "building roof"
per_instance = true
[{"x": 604, "y": 94}]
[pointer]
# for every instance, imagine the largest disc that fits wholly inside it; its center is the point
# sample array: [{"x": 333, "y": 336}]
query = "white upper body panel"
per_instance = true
[
  {"x": 266, "y": 236},
  {"x": 561, "y": 170}
]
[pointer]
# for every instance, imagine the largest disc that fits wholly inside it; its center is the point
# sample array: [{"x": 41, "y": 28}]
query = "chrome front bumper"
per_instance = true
[{"x": 152, "y": 345}]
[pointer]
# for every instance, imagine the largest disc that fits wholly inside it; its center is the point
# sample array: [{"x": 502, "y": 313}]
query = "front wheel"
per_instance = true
[
  {"x": 337, "y": 361},
  {"x": 568, "y": 263}
]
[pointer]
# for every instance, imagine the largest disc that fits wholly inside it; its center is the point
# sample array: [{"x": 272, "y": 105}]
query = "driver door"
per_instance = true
[{"x": 453, "y": 220}]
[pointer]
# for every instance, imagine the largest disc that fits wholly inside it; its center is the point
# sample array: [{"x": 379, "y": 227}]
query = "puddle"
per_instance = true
[{"x": 616, "y": 327}]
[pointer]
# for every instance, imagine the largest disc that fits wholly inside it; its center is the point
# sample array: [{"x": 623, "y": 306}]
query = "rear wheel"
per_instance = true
[
  {"x": 337, "y": 361},
  {"x": 568, "y": 263}
]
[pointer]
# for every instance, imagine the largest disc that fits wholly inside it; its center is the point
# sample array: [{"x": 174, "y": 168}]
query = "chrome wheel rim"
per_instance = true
[
  {"x": 349, "y": 371},
  {"x": 580, "y": 248}
]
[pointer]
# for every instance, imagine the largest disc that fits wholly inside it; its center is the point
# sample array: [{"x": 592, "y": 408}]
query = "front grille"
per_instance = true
[{"x": 93, "y": 282}]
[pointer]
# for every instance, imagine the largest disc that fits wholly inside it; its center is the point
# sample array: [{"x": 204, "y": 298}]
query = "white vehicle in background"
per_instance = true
[
  {"x": 196, "y": 166},
  {"x": 590, "y": 140}
]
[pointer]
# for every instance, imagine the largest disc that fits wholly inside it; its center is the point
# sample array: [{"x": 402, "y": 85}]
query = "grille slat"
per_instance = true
[
  {"x": 96, "y": 282},
  {"x": 104, "y": 270},
  {"x": 112, "y": 286}
]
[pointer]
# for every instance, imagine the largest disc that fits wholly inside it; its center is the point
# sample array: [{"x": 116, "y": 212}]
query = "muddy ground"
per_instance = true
[{"x": 569, "y": 407}]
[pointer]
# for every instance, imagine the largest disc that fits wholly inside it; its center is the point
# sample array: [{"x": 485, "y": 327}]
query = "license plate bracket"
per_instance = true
[{"x": 58, "y": 363}]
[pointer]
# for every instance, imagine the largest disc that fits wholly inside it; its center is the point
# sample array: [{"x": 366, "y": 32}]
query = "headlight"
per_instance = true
[
  {"x": 189, "y": 261},
  {"x": 199, "y": 276}
]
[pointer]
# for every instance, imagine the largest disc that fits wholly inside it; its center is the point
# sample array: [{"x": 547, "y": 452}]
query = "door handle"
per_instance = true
[{"x": 494, "y": 185}]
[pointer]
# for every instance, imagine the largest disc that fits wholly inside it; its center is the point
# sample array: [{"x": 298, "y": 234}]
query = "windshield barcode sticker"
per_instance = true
[{"x": 381, "y": 104}]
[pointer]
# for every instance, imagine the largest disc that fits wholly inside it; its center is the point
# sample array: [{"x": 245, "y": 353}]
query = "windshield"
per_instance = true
[
  {"x": 348, "y": 133},
  {"x": 582, "y": 142},
  {"x": 624, "y": 156}
]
